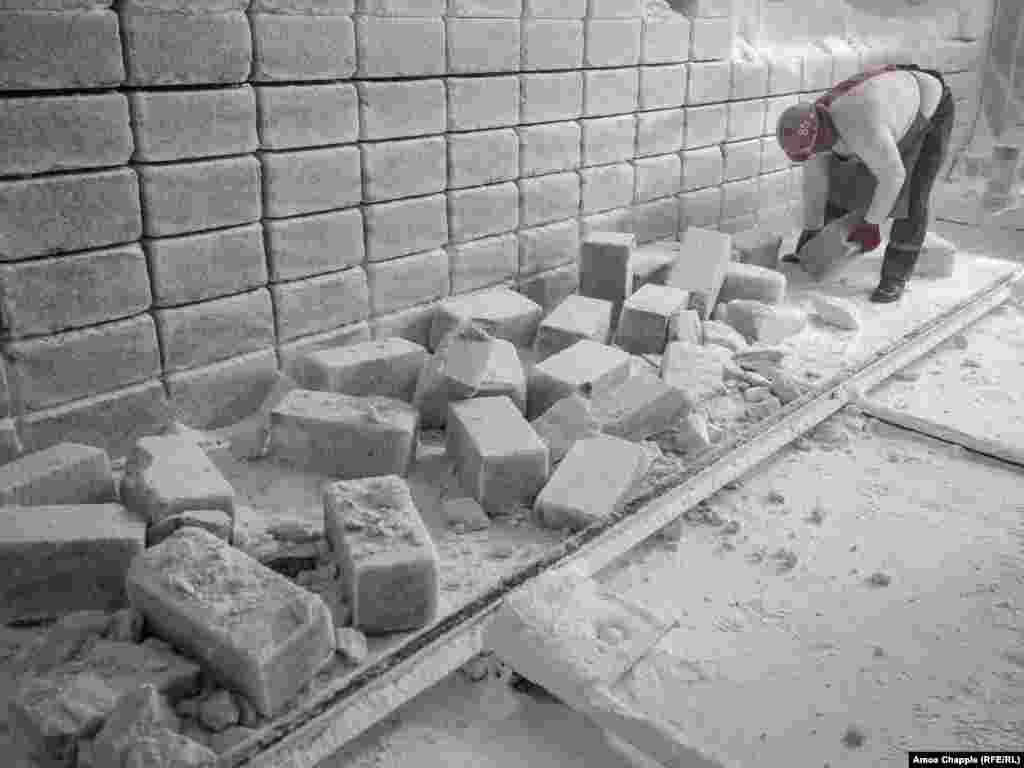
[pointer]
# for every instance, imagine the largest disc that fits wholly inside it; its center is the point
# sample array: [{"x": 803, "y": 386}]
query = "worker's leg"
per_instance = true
[{"x": 908, "y": 234}]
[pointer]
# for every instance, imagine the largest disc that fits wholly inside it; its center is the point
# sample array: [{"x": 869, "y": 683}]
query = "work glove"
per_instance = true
[
  {"x": 867, "y": 236},
  {"x": 805, "y": 237}
]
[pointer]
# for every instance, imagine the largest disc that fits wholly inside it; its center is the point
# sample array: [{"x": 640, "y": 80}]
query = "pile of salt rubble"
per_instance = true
[{"x": 179, "y": 631}]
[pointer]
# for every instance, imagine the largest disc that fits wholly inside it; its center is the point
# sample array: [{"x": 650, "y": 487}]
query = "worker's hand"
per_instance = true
[{"x": 868, "y": 236}]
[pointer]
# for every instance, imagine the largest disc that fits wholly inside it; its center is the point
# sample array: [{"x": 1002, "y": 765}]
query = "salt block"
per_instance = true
[
  {"x": 143, "y": 709},
  {"x": 758, "y": 247},
  {"x": 565, "y": 422},
  {"x": 500, "y": 459},
  {"x": 52, "y": 711},
  {"x": 652, "y": 261},
  {"x": 64, "y": 640},
  {"x": 749, "y": 281},
  {"x": 643, "y": 324},
  {"x": 468, "y": 363},
  {"x": 169, "y": 474},
  {"x": 641, "y": 406},
  {"x": 686, "y": 326},
  {"x": 388, "y": 561},
  {"x": 67, "y": 473},
  {"x": 503, "y": 313},
  {"x": 757, "y": 355},
  {"x": 723, "y": 335},
  {"x": 838, "y": 312},
  {"x": 465, "y": 512},
  {"x": 591, "y": 482},
  {"x": 575, "y": 318},
  {"x": 344, "y": 436},
  {"x": 700, "y": 268},
  {"x": 351, "y": 645},
  {"x": 216, "y": 521},
  {"x": 568, "y": 634},
  {"x": 606, "y": 268},
  {"x": 388, "y": 367},
  {"x": 827, "y": 254},
  {"x": 260, "y": 634},
  {"x": 765, "y": 323},
  {"x": 585, "y": 364},
  {"x": 786, "y": 387},
  {"x": 164, "y": 747},
  {"x": 696, "y": 370},
  {"x": 937, "y": 257},
  {"x": 691, "y": 436},
  {"x": 64, "y": 558}
]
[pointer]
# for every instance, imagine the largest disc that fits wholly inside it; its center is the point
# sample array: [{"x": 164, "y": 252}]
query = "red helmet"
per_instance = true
[{"x": 797, "y": 131}]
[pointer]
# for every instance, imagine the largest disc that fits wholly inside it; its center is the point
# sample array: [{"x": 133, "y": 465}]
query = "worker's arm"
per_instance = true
[
  {"x": 815, "y": 189},
  {"x": 873, "y": 142}
]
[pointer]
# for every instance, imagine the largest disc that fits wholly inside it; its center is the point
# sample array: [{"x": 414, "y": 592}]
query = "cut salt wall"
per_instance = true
[{"x": 193, "y": 194}]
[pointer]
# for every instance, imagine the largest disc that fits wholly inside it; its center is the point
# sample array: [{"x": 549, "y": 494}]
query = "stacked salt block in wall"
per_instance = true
[{"x": 194, "y": 193}]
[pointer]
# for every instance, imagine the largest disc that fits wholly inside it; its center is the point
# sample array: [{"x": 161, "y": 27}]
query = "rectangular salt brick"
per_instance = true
[
  {"x": 342, "y": 435},
  {"x": 62, "y": 558},
  {"x": 388, "y": 368},
  {"x": 265, "y": 636},
  {"x": 643, "y": 325},
  {"x": 696, "y": 370},
  {"x": 565, "y": 422},
  {"x": 388, "y": 561},
  {"x": 591, "y": 483},
  {"x": 67, "y": 473},
  {"x": 576, "y": 318},
  {"x": 584, "y": 365},
  {"x": 501, "y": 460},
  {"x": 169, "y": 474},
  {"x": 503, "y": 313},
  {"x": 641, "y": 406},
  {"x": 606, "y": 268},
  {"x": 700, "y": 268}
]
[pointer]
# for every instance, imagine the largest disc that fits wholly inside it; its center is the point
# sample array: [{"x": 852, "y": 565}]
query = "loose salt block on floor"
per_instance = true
[
  {"x": 641, "y": 406},
  {"x": 468, "y": 363},
  {"x": 758, "y": 247},
  {"x": 264, "y": 636},
  {"x": 724, "y": 336},
  {"x": 566, "y": 633},
  {"x": 838, "y": 312},
  {"x": 344, "y": 436},
  {"x": 503, "y": 313},
  {"x": 465, "y": 512},
  {"x": 827, "y": 254},
  {"x": 606, "y": 268},
  {"x": 584, "y": 364},
  {"x": 577, "y": 317},
  {"x": 63, "y": 558},
  {"x": 937, "y": 257},
  {"x": 216, "y": 521},
  {"x": 565, "y": 422},
  {"x": 145, "y": 708},
  {"x": 388, "y": 561},
  {"x": 686, "y": 326},
  {"x": 388, "y": 368},
  {"x": 652, "y": 261},
  {"x": 500, "y": 459},
  {"x": 591, "y": 483},
  {"x": 700, "y": 269},
  {"x": 695, "y": 370},
  {"x": 766, "y": 323},
  {"x": 643, "y": 324},
  {"x": 169, "y": 474},
  {"x": 67, "y": 473},
  {"x": 749, "y": 281}
]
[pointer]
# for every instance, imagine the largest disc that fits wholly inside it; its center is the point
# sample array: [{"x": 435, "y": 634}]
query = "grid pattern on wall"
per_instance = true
[{"x": 195, "y": 193}]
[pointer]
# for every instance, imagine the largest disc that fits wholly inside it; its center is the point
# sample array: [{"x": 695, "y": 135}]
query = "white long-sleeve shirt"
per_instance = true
[{"x": 870, "y": 120}]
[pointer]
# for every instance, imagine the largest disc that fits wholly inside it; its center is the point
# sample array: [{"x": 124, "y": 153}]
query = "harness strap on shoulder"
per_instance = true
[{"x": 849, "y": 84}]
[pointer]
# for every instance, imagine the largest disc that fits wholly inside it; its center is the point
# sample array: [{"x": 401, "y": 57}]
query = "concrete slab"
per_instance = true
[
  {"x": 388, "y": 561},
  {"x": 500, "y": 459},
  {"x": 170, "y": 474},
  {"x": 67, "y": 473},
  {"x": 344, "y": 436},
  {"x": 265, "y": 636},
  {"x": 585, "y": 364},
  {"x": 61, "y": 558},
  {"x": 574, "y": 319}
]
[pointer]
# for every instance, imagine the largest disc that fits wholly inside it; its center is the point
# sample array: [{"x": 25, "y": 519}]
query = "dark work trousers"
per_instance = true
[{"x": 908, "y": 234}]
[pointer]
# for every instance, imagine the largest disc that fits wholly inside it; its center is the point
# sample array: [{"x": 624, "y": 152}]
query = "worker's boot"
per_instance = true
[{"x": 897, "y": 267}]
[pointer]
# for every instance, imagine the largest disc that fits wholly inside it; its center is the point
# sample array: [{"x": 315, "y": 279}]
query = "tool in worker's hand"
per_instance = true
[{"x": 827, "y": 254}]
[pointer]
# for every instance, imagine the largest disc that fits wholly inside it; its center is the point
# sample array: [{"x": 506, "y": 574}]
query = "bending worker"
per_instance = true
[{"x": 873, "y": 144}]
